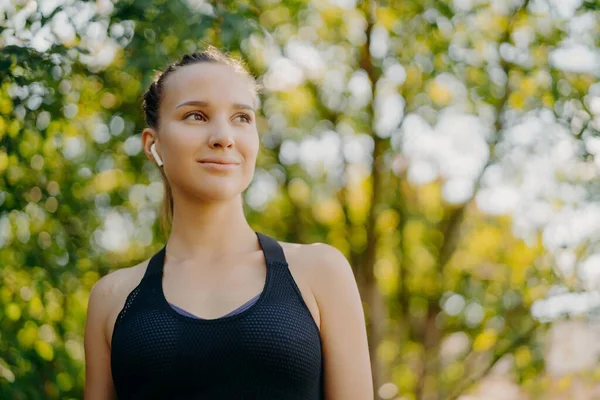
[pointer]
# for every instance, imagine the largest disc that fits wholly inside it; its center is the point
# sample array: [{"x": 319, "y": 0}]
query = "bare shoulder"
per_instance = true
[
  {"x": 319, "y": 260},
  {"x": 116, "y": 283},
  {"x": 314, "y": 249},
  {"x": 301, "y": 257},
  {"x": 108, "y": 294},
  {"x": 342, "y": 324},
  {"x": 314, "y": 266}
]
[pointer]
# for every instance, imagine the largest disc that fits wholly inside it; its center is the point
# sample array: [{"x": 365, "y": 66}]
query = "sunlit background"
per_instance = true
[{"x": 448, "y": 148}]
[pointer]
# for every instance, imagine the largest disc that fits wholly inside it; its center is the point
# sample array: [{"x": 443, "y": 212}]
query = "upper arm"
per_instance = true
[
  {"x": 343, "y": 329},
  {"x": 98, "y": 378}
]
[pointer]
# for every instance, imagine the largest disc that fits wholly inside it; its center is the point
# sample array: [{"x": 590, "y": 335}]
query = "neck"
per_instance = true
[{"x": 209, "y": 230}]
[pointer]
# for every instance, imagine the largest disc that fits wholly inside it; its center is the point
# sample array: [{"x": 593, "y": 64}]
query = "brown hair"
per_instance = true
[{"x": 151, "y": 103}]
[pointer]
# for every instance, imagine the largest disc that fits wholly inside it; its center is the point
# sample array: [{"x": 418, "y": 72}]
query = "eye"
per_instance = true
[
  {"x": 194, "y": 113},
  {"x": 247, "y": 117}
]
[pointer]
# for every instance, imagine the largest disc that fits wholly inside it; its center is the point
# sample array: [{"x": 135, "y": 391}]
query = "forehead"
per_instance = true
[{"x": 206, "y": 81}]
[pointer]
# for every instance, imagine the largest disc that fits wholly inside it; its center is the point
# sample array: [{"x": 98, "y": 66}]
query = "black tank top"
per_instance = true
[{"x": 271, "y": 350}]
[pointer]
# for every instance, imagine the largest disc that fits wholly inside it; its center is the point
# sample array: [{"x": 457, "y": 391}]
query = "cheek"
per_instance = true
[
  {"x": 183, "y": 136},
  {"x": 250, "y": 156},
  {"x": 255, "y": 144},
  {"x": 176, "y": 142},
  {"x": 249, "y": 147}
]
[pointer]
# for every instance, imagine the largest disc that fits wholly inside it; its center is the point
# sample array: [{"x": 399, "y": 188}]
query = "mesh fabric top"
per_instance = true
[{"x": 271, "y": 350}]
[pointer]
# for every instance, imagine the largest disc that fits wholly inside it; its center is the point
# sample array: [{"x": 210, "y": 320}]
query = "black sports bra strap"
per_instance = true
[
  {"x": 271, "y": 248},
  {"x": 156, "y": 262}
]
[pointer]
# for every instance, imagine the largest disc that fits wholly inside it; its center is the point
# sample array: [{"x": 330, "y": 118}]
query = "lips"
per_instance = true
[
  {"x": 219, "y": 164},
  {"x": 221, "y": 161}
]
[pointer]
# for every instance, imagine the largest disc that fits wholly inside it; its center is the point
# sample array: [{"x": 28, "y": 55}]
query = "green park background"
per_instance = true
[{"x": 447, "y": 147}]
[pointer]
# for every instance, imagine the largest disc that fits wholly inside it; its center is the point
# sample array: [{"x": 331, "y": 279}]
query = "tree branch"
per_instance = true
[
  {"x": 476, "y": 377},
  {"x": 453, "y": 224},
  {"x": 374, "y": 298}
]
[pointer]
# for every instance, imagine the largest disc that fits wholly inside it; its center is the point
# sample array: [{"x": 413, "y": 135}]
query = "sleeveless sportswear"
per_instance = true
[{"x": 272, "y": 350}]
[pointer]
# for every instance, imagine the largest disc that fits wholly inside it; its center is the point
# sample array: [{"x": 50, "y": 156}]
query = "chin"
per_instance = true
[
  {"x": 213, "y": 197},
  {"x": 219, "y": 193}
]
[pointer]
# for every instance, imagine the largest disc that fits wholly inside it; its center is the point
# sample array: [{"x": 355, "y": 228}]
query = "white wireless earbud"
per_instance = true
[{"x": 155, "y": 154}]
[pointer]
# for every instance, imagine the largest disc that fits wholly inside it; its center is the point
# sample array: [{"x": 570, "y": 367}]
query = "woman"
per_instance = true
[{"x": 165, "y": 329}]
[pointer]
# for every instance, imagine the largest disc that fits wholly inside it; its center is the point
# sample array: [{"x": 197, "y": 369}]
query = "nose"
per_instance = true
[{"x": 221, "y": 136}]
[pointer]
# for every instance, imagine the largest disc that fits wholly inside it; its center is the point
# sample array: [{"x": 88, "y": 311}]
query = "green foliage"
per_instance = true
[{"x": 70, "y": 163}]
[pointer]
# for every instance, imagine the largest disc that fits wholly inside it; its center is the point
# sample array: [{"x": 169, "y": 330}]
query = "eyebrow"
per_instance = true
[{"x": 206, "y": 104}]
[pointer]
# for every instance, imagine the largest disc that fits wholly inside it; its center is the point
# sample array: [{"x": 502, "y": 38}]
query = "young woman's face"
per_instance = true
[{"x": 207, "y": 117}]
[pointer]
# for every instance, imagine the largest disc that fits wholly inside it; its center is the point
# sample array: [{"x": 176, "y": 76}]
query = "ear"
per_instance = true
[{"x": 151, "y": 146}]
